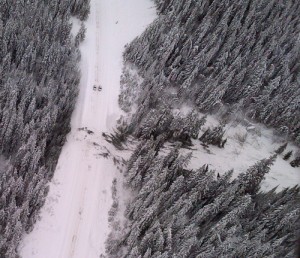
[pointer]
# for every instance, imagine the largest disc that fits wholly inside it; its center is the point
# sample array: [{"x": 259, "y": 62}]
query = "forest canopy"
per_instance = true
[
  {"x": 229, "y": 57},
  {"x": 38, "y": 87}
]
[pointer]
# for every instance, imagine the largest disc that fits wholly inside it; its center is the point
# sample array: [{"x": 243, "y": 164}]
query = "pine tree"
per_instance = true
[
  {"x": 250, "y": 181},
  {"x": 281, "y": 148},
  {"x": 288, "y": 155}
]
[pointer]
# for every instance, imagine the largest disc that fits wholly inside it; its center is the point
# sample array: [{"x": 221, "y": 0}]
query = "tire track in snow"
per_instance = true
[
  {"x": 97, "y": 44},
  {"x": 93, "y": 98}
]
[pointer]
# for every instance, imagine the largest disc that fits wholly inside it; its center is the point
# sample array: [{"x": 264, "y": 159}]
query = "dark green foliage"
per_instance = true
[
  {"x": 116, "y": 138},
  {"x": 214, "y": 136},
  {"x": 79, "y": 8},
  {"x": 185, "y": 213},
  {"x": 38, "y": 87},
  {"x": 288, "y": 155},
  {"x": 296, "y": 162},
  {"x": 250, "y": 181},
  {"x": 238, "y": 56},
  {"x": 281, "y": 148},
  {"x": 241, "y": 54},
  {"x": 163, "y": 122},
  {"x": 80, "y": 35}
]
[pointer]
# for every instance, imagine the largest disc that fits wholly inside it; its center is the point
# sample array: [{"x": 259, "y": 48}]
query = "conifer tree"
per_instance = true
[
  {"x": 288, "y": 155},
  {"x": 250, "y": 181},
  {"x": 281, "y": 148}
]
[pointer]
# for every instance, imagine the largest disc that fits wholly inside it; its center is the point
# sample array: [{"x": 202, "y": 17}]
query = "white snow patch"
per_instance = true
[
  {"x": 75, "y": 25},
  {"x": 242, "y": 150},
  {"x": 185, "y": 109}
]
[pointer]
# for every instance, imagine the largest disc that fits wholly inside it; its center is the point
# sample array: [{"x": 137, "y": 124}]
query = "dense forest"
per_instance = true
[
  {"x": 229, "y": 58},
  {"x": 38, "y": 87},
  {"x": 184, "y": 213},
  {"x": 238, "y": 56}
]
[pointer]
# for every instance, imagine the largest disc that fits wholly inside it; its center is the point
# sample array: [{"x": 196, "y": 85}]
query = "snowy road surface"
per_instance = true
[{"x": 74, "y": 218}]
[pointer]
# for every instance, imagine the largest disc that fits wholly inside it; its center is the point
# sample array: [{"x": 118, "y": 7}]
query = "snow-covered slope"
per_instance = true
[
  {"x": 74, "y": 218},
  {"x": 242, "y": 150}
]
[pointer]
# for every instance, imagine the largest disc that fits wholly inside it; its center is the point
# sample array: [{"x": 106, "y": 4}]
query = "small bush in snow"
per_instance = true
[{"x": 296, "y": 162}]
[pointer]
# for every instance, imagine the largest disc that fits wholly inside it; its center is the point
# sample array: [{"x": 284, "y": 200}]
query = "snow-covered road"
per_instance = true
[{"x": 74, "y": 218}]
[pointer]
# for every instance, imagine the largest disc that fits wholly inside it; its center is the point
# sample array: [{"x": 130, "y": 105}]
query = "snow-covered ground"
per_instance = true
[
  {"x": 243, "y": 149},
  {"x": 73, "y": 220}
]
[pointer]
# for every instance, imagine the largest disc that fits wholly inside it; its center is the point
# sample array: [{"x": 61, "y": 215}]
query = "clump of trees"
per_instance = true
[
  {"x": 80, "y": 35},
  {"x": 214, "y": 136},
  {"x": 192, "y": 213},
  {"x": 296, "y": 162},
  {"x": 174, "y": 127},
  {"x": 38, "y": 88}
]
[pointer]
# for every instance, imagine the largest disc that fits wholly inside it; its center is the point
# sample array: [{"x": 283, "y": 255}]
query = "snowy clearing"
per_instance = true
[
  {"x": 243, "y": 149},
  {"x": 74, "y": 218}
]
